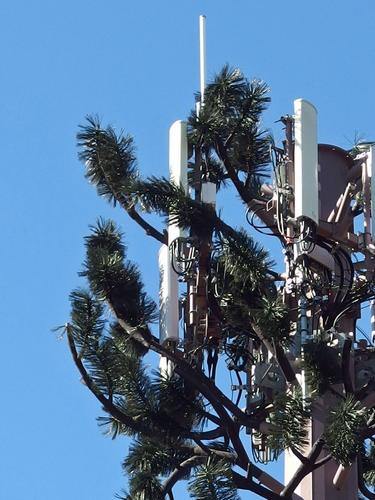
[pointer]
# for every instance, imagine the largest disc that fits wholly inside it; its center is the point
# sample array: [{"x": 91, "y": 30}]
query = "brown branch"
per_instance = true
[
  {"x": 233, "y": 431},
  {"x": 107, "y": 404},
  {"x": 205, "y": 451},
  {"x": 299, "y": 455},
  {"x": 211, "y": 417},
  {"x": 239, "y": 185},
  {"x": 244, "y": 483},
  {"x": 215, "y": 396},
  {"x": 305, "y": 460},
  {"x": 243, "y": 459},
  {"x": 206, "y": 435},
  {"x": 121, "y": 416},
  {"x": 150, "y": 230},
  {"x": 198, "y": 379},
  {"x": 266, "y": 479},
  {"x": 244, "y": 463},
  {"x": 279, "y": 354},
  {"x": 202, "y": 446},
  {"x": 231, "y": 428},
  {"x": 274, "y": 486},
  {"x": 322, "y": 461},
  {"x": 200, "y": 456},
  {"x": 133, "y": 214},
  {"x": 180, "y": 471},
  {"x": 285, "y": 366},
  {"x": 304, "y": 469}
]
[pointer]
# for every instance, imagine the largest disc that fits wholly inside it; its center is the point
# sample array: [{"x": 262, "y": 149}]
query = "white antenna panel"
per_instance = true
[
  {"x": 202, "y": 55},
  {"x": 371, "y": 173},
  {"x": 168, "y": 298},
  {"x": 178, "y": 163},
  {"x": 306, "y": 188},
  {"x": 208, "y": 193}
]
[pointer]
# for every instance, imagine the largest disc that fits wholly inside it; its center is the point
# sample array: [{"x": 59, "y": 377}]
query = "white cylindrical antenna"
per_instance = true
[
  {"x": 306, "y": 187},
  {"x": 168, "y": 298},
  {"x": 372, "y": 320},
  {"x": 178, "y": 167},
  {"x": 371, "y": 173},
  {"x": 168, "y": 291},
  {"x": 202, "y": 55},
  {"x": 366, "y": 191},
  {"x": 208, "y": 192}
]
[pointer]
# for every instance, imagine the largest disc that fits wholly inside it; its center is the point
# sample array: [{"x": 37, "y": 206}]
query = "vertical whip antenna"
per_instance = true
[{"x": 202, "y": 55}]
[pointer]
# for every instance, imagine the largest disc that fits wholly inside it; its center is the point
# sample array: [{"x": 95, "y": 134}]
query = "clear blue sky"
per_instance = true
[{"x": 136, "y": 64}]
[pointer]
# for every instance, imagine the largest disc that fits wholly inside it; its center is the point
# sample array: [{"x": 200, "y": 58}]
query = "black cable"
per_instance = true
[
  {"x": 329, "y": 319},
  {"x": 340, "y": 296},
  {"x": 350, "y": 305},
  {"x": 350, "y": 265},
  {"x": 356, "y": 299},
  {"x": 364, "y": 334},
  {"x": 256, "y": 226}
]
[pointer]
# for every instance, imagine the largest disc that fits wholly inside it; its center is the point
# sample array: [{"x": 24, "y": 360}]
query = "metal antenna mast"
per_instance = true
[
  {"x": 313, "y": 203},
  {"x": 187, "y": 258},
  {"x": 202, "y": 56}
]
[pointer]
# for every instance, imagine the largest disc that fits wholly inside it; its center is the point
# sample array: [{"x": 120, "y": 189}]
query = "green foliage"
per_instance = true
[
  {"x": 213, "y": 169},
  {"x": 236, "y": 347},
  {"x": 322, "y": 366},
  {"x": 157, "y": 459},
  {"x": 178, "y": 402},
  {"x": 165, "y": 198},
  {"x": 229, "y": 120},
  {"x": 213, "y": 481},
  {"x": 243, "y": 260},
  {"x": 360, "y": 291},
  {"x": 88, "y": 330},
  {"x": 160, "y": 195},
  {"x": 109, "y": 160},
  {"x": 124, "y": 341},
  {"x": 272, "y": 318},
  {"x": 105, "y": 235},
  {"x": 240, "y": 279},
  {"x": 289, "y": 419},
  {"x": 113, "y": 427},
  {"x": 115, "y": 279},
  {"x": 111, "y": 354},
  {"x": 165, "y": 413},
  {"x": 116, "y": 369},
  {"x": 117, "y": 373},
  {"x": 144, "y": 486},
  {"x": 343, "y": 430},
  {"x": 86, "y": 318},
  {"x": 106, "y": 321},
  {"x": 368, "y": 464}
]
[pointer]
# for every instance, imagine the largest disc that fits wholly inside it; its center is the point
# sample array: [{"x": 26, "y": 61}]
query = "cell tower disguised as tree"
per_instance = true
[{"x": 304, "y": 381}]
